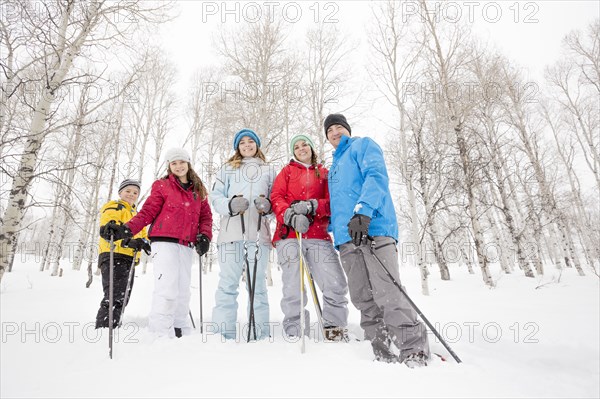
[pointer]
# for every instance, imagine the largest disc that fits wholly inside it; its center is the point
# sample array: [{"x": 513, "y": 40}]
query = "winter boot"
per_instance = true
[
  {"x": 178, "y": 333},
  {"x": 336, "y": 334},
  {"x": 382, "y": 351},
  {"x": 416, "y": 360},
  {"x": 102, "y": 316}
]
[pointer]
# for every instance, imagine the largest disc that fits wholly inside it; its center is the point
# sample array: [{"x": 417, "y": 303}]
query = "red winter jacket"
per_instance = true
[
  {"x": 174, "y": 213},
  {"x": 297, "y": 182}
]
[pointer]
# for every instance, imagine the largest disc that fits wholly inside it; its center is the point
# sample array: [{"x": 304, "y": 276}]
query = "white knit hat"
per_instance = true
[{"x": 177, "y": 154}]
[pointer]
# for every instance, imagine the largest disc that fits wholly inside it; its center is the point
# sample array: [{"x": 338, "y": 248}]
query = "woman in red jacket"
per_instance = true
[
  {"x": 300, "y": 201},
  {"x": 181, "y": 220}
]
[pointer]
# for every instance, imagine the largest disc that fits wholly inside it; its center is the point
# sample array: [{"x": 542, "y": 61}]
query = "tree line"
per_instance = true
[{"x": 488, "y": 166}]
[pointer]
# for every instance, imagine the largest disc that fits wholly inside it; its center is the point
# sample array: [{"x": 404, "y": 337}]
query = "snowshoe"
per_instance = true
[
  {"x": 336, "y": 334},
  {"x": 415, "y": 360}
]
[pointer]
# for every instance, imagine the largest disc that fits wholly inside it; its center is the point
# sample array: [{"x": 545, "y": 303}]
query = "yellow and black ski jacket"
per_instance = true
[{"x": 121, "y": 212}]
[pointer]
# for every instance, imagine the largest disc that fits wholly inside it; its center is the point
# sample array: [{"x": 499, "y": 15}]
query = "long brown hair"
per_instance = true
[
  {"x": 192, "y": 176},
  {"x": 315, "y": 163},
  {"x": 236, "y": 160}
]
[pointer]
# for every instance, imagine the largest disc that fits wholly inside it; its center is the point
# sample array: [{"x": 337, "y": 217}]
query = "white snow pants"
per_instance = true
[{"x": 171, "y": 298}]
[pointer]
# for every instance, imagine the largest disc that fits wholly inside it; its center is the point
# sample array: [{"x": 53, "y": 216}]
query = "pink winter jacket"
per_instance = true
[{"x": 174, "y": 213}]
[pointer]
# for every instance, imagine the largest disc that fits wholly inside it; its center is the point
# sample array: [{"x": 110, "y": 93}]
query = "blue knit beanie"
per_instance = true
[{"x": 243, "y": 133}]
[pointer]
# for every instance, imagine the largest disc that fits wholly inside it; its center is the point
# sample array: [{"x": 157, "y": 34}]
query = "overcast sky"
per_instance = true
[{"x": 528, "y": 32}]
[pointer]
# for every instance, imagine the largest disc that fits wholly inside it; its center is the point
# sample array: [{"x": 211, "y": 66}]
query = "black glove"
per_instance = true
[
  {"x": 305, "y": 207},
  {"x": 358, "y": 228},
  {"x": 237, "y": 205},
  {"x": 263, "y": 205},
  {"x": 300, "y": 223},
  {"x": 202, "y": 244},
  {"x": 118, "y": 231},
  {"x": 138, "y": 244}
]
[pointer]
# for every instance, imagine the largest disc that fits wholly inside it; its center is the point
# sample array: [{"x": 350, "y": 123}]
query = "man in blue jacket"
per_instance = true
[{"x": 363, "y": 217}]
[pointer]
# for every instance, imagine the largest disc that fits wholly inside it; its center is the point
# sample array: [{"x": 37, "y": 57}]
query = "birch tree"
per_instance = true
[
  {"x": 566, "y": 150},
  {"x": 519, "y": 117},
  {"x": 579, "y": 106},
  {"x": 497, "y": 143},
  {"x": 326, "y": 73},
  {"x": 208, "y": 120},
  {"x": 579, "y": 96},
  {"x": 151, "y": 105},
  {"x": 255, "y": 57},
  {"x": 59, "y": 36},
  {"x": 392, "y": 71},
  {"x": 447, "y": 62}
]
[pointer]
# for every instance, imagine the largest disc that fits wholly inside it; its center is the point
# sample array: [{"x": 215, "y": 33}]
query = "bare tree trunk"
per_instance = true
[
  {"x": 59, "y": 67},
  {"x": 570, "y": 247},
  {"x": 499, "y": 242},
  {"x": 534, "y": 226},
  {"x": 91, "y": 215},
  {"x": 387, "y": 41},
  {"x": 83, "y": 239},
  {"x": 467, "y": 256},
  {"x": 50, "y": 237},
  {"x": 537, "y": 254},
  {"x": 582, "y": 221},
  {"x": 326, "y": 73},
  {"x": 66, "y": 191},
  {"x": 457, "y": 116},
  {"x": 518, "y": 119},
  {"x": 505, "y": 208},
  {"x": 13, "y": 244}
]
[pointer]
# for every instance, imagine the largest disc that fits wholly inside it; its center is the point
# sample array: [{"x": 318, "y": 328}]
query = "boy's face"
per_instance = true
[
  {"x": 335, "y": 134},
  {"x": 130, "y": 194}
]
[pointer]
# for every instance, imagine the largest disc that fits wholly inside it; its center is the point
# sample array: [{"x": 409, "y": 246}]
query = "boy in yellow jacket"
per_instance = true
[{"x": 120, "y": 211}]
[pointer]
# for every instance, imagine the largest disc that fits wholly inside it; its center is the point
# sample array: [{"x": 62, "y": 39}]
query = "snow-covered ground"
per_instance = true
[{"x": 526, "y": 338}]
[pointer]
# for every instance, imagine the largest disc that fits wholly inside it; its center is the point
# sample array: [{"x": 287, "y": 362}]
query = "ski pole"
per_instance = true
[
  {"x": 111, "y": 299},
  {"x": 246, "y": 265},
  {"x": 313, "y": 291},
  {"x": 192, "y": 319},
  {"x": 128, "y": 289},
  {"x": 253, "y": 285},
  {"x": 302, "y": 321},
  {"x": 200, "y": 280},
  {"x": 435, "y": 332}
]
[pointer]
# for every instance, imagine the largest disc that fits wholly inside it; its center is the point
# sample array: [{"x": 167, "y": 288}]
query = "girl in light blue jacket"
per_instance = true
[{"x": 240, "y": 196}]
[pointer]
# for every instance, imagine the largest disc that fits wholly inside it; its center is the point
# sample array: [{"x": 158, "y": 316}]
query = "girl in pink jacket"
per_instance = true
[{"x": 181, "y": 221}]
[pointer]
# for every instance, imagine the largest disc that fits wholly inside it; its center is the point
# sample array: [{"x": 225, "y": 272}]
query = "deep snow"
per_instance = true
[{"x": 525, "y": 338}]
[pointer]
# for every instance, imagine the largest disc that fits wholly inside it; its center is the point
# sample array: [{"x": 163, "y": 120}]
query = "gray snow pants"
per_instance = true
[
  {"x": 323, "y": 262},
  {"x": 386, "y": 315}
]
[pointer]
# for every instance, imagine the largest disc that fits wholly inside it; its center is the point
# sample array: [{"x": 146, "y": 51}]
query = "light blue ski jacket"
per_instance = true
[
  {"x": 252, "y": 179},
  {"x": 359, "y": 183}
]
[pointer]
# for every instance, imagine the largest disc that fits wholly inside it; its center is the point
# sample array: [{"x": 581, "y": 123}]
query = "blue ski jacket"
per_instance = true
[
  {"x": 251, "y": 179},
  {"x": 359, "y": 183}
]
